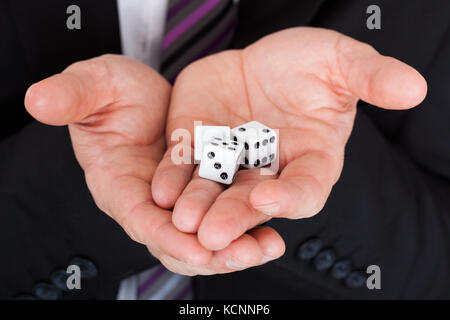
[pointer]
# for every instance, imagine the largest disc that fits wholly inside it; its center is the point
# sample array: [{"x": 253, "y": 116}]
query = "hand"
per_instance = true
[
  {"x": 116, "y": 110},
  {"x": 303, "y": 81}
]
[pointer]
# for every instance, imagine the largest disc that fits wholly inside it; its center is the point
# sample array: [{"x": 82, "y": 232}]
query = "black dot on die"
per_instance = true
[
  {"x": 265, "y": 142},
  {"x": 272, "y": 139},
  {"x": 272, "y": 156},
  {"x": 264, "y": 160},
  {"x": 217, "y": 165},
  {"x": 217, "y": 138},
  {"x": 241, "y": 129},
  {"x": 257, "y": 145},
  {"x": 246, "y": 146},
  {"x": 224, "y": 175},
  {"x": 246, "y": 161},
  {"x": 224, "y": 143},
  {"x": 235, "y": 138},
  {"x": 211, "y": 155},
  {"x": 265, "y": 130},
  {"x": 214, "y": 144},
  {"x": 230, "y": 148},
  {"x": 256, "y": 163},
  {"x": 235, "y": 143}
]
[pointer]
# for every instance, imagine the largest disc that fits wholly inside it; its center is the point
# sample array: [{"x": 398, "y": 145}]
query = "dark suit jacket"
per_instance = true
[{"x": 390, "y": 207}]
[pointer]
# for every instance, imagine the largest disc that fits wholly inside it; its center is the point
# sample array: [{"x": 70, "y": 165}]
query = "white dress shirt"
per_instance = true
[{"x": 142, "y": 24}]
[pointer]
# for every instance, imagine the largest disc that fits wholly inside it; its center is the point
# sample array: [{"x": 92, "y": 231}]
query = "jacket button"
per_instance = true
[
  {"x": 324, "y": 260},
  {"x": 308, "y": 249},
  {"x": 341, "y": 269},
  {"x": 356, "y": 279},
  {"x": 87, "y": 267},
  {"x": 59, "y": 279},
  {"x": 45, "y": 291}
]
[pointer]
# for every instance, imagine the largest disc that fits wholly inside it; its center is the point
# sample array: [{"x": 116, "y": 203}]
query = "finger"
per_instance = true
[
  {"x": 205, "y": 107},
  {"x": 255, "y": 248},
  {"x": 242, "y": 253},
  {"x": 94, "y": 86},
  {"x": 271, "y": 243},
  {"x": 231, "y": 215},
  {"x": 175, "y": 170},
  {"x": 183, "y": 268},
  {"x": 349, "y": 68},
  {"x": 125, "y": 195},
  {"x": 194, "y": 202},
  {"x": 153, "y": 227},
  {"x": 170, "y": 179},
  {"x": 379, "y": 80},
  {"x": 302, "y": 188}
]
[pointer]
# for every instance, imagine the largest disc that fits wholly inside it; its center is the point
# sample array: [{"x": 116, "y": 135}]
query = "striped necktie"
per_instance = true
[
  {"x": 158, "y": 283},
  {"x": 194, "y": 29}
]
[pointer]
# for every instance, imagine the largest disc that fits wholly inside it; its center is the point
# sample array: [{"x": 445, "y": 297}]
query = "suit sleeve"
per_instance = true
[
  {"x": 49, "y": 218},
  {"x": 385, "y": 210},
  {"x": 399, "y": 209}
]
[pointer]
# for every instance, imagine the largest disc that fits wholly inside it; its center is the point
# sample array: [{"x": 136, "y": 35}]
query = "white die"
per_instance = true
[
  {"x": 204, "y": 134},
  {"x": 260, "y": 143},
  {"x": 221, "y": 160}
]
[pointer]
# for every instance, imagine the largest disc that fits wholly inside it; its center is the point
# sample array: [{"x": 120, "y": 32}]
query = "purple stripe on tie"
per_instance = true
[
  {"x": 184, "y": 292},
  {"x": 176, "y": 8},
  {"x": 151, "y": 280},
  {"x": 188, "y": 22},
  {"x": 217, "y": 41}
]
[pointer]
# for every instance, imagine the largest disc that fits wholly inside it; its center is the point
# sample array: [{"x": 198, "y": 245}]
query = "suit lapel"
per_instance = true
[
  {"x": 256, "y": 20},
  {"x": 50, "y": 46},
  {"x": 308, "y": 11}
]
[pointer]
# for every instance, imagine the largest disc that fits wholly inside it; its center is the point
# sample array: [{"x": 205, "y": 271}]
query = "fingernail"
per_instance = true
[
  {"x": 235, "y": 265},
  {"x": 269, "y": 209},
  {"x": 266, "y": 259}
]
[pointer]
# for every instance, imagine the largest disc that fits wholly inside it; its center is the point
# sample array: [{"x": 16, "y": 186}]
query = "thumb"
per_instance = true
[
  {"x": 88, "y": 87},
  {"x": 61, "y": 99},
  {"x": 376, "y": 79}
]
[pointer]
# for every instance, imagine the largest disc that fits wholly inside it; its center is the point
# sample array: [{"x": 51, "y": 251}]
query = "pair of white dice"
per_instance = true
[{"x": 222, "y": 150}]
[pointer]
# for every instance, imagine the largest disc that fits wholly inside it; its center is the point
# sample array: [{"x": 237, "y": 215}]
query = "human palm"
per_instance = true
[
  {"x": 305, "y": 82},
  {"x": 116, "y": 108}
]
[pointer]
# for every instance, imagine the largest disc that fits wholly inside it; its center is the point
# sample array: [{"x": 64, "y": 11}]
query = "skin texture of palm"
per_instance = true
[{"x": 305, "y": 82}]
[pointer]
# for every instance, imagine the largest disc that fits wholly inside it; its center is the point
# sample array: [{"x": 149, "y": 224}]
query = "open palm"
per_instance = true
[
  {"x": 306, "y": 83},
  {"x": 116, "y": 110}
]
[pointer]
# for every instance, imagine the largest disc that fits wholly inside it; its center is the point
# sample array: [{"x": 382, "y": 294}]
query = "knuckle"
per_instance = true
[
  {"x": 196, "y": 260},
  {"x": 176, "y": 266}
]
